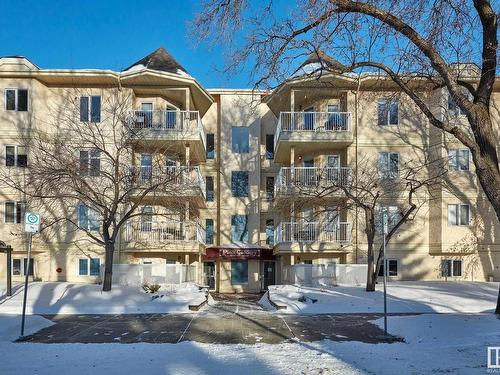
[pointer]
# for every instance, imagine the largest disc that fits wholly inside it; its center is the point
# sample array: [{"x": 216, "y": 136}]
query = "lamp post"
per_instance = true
[
  {"x": 7, "y": 249},
  {"x": 385, "y": 273}
]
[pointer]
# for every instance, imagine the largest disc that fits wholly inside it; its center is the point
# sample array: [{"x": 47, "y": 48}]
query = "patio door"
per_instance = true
[
  {"x": 332, "y": 224},
  {"x": 146, "y": 167},
  {"x": 147, "y": 113},
  {"x": 309, "y": 118},
  {"x": 333, "y": 168},
  {"x": 209, "y": 274}
]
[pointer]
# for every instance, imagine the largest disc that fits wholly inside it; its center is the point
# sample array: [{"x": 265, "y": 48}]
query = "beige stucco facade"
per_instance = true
[{"x": 355, "y": 137}]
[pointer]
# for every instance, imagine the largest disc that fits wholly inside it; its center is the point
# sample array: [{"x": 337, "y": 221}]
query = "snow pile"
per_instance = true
[
  {"x": 10, "y": 326},
  {"x": 264, "y": 302},
  {"x": 68, "y": 298},
  {"x": 135, "y": 68},
  {"x": 403, "y": 297}
]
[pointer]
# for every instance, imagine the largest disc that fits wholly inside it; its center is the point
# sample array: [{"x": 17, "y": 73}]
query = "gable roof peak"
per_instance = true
[{"x": 161, "y": 60}]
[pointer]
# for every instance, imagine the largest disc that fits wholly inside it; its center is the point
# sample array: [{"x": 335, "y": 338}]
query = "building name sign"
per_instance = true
[{"x": 239, "y": 253}]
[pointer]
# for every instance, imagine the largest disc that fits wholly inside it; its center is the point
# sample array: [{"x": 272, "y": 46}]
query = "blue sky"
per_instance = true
[{"x": 107, "y": 34}]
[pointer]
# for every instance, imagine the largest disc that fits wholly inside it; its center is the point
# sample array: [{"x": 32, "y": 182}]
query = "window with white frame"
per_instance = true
[
  {"x": 453, "y": 107},
  {"x": 392, "y": 268},
  {"x": 147, "y": 219},
  {"x": 90, "y": 162},
  {"x": 388, "y": 112},
  {"x": 14, "y": 212},
  {"x": 459, "y": 159},
  {"x": 388, "y": 164},
  {"x": 90, "y": 108},
  {"x": 19, "y": 266},
  {"x": 89, "y": 266},
  {"x": 16, "y": 100},
  {"x": 458, "y": 214},
  {"x": 88, "y": 218},
  {"x": 16, "y": 156},
  {"x": 451, "y": 268}
]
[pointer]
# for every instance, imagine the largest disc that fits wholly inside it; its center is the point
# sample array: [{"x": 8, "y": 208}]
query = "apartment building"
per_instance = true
[{"x": 236, "y": 214}]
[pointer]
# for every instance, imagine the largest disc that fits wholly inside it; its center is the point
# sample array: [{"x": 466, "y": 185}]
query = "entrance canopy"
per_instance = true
[{"x": 238, "y": 251}]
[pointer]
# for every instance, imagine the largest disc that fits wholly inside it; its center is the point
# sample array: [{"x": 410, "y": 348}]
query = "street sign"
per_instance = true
[{"x": 31, "y": 222}]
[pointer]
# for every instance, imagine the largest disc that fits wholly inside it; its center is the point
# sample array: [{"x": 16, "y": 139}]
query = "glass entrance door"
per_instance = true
[
  {"x": 209, "y": 274},
  {"x": 269, "y": 274}
]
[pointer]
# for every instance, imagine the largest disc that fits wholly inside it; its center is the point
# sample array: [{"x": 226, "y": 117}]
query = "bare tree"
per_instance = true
[
  {"x": 81, "y": 174},
  {"x": 413, "y": 43}
]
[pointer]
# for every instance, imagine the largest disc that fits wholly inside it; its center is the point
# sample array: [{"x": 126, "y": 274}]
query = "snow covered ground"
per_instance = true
[
  {"x": 447, "y": 343},
  {"x": 68, "y": 298},
  {"x": 403, "y": 297}
]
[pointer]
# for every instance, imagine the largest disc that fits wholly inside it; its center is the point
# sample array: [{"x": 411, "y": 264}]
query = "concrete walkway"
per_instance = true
[{"x": 231, "y": 319}]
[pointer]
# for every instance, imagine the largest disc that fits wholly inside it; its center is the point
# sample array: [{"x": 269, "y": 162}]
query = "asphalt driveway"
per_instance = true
[{"x": 231, "y": 319}]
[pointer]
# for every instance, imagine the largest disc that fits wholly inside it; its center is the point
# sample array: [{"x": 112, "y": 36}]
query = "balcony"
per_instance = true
[
  {"x": 315, "y": 236},
  {"x": 171, "y": 128},
  {"x": 167, "y": 235},
  {"x": 306, "y": 131},
  {"x": 311, "y": 181},
  {"x": 170, "y": 182}
]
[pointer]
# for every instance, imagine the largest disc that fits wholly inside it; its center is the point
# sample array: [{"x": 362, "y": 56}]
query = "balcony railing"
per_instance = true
[
  {"x": 308, "y": 232},
  {"x": 296, "y": 178},
  {"x": 312, "y": 122},
  {"x": 167, "y": 121},
  {"x": 178, "y": 177},
  {"x": 164, "y": 231}
]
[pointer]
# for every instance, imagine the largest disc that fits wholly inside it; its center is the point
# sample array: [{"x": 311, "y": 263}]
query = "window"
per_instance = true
[
  {"x": 458, "y": 160},
  {"x": 458, "y": 214},
  {"x": 388, "y": 112},
  {"x": 147, "y": 219},
  {"x": 210, "y": 189},
  {"x": 209, "y": 230},
  {"x": 210, "y": 146},
  {"x": 88, "y": 219},
  {"x": 239, "y": 183},
  {"x": 14, "y": 212},
  {"x": 16, "y": 100},
  {"x": 90, "y": 108},
  {"x": 453, "y": 107},
  {"x": 270, "y": 232},
  {"x": 239, "y": 272},
  {"x": 388, "y": 164},
  {"x": 146, "y": 167},
  {"x": 90, "y": 162},
  {"x": 451, "y": 268},
  {"x": 239, "y": 228},
  {"x": 392, "y": 269},
  {"x": 393, "y": 216},
  {"x": 269, "y": 188},
  {"x": 19, "y": 268},
  {"x": 240, "y": 140},
  {"x": 16, "y": 156},
  {"x": 89, "y": 266},
  {"x": 269, "y": 146}
]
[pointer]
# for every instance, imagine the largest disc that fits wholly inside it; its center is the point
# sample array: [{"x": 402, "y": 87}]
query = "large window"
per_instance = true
[
  {"x": 239, "y": 183},
  {"x": 269, "y": 188},
  {"x": 89, "y": 266},
  {"x": 88, "y": 219},
  {"x": 392, "y": 268},
  {"x": 269, "y": 146},
  {"x": 19, "y": 266},
  {"x": 240, "y": 140},
  {"x": 16, "y": 156},
  {"x": 388, "y": 164},
  {"x": 90, "y": 108},
  {"x": 209, "y": 230},
  {"x": 459, "y": 160},
  {"x": 270, "y": 232},
  {"x": 16, "y": 100},
  {"x": 90, "y": 162},
  {"x": 239, "y": 228},
  {"x": 458, "y": 214},
  {"x": 14, "y": 212},
  {"x": 451, "y": 268},
  {"x": 210, "y": 189},
  {"x": 388, "y": 112},
  {"x": 239, "y": 272},
  {"x": 210, "y": 146}
]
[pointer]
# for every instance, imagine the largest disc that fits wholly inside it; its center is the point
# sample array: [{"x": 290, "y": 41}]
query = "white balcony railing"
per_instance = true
[
  {"x": 307, "y": 232},
  {"x": 290, "y": 178},
  {"x": 164, "y": 231},
  {"x": 312, "y": 122},
  {"x": 178, "y": 177},
  {"x": 167, "y": 121}
]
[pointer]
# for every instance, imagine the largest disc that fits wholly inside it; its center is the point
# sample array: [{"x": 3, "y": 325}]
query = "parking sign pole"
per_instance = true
[
  {"x": 385, "y": 291},
  {"x": 27, "y": 272}
]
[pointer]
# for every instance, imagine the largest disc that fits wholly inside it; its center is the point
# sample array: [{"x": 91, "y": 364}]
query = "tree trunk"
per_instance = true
[
  {"x": 370, "y": 277},
  {"x": 108, "y": 266},
  {"x": 370, "y": 236}
]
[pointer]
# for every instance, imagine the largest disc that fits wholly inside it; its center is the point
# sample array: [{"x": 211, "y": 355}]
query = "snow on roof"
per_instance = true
[{"x": 159, "y": 60}]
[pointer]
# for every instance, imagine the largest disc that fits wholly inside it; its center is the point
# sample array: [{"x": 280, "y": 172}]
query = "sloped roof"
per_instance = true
[
  {"x": 159, "y": 60},
  {"x": 318, "y": 61}
]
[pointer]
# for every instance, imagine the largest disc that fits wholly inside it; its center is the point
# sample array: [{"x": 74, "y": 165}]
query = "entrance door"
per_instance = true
[
  {"x": 269, "y": 274},
  {"x": 209, "y": 274}
]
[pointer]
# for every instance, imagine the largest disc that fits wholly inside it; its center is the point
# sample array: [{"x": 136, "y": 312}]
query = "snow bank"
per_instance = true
[
  {"x": 10, "y": 326},
  {"x": 403, "y": 297},
  {"x": 68, "y": 298}
]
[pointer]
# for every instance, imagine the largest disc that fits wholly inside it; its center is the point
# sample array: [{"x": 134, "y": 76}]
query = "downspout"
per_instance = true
[{"x": 356, "y": 121}]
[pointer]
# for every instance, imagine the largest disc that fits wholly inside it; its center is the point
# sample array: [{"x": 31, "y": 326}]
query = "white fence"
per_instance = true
[
  {"x": 160, "y": 273},
  {"x": 331, "y": 274},
  {"x": 305, "y": 231}
]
